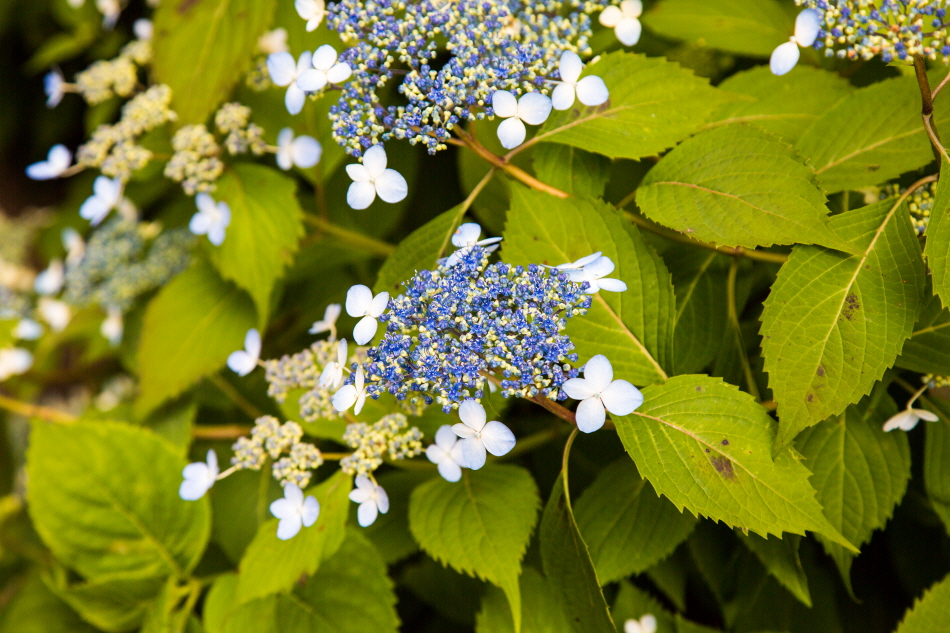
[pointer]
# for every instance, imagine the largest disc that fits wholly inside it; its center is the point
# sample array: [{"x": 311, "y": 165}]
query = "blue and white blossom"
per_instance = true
[
  {"x": 326, "y": 70},
  {"x": 14, "y": 361},
  {"x": 212, "y": 219},
  {"x": 360, "y": 302},
  {"x": 57, "y": 162},
  {"x": 600, "y": 393},
  {"x": 54, "y": 85},
  {"x": 480, "y": 436},
  {"x": 465, "y": 239},
  {"x": 446, "y": 453},
  {"x": 372, "y": 498},
  {"x": 301, "y": 151},
  {"x": 199, "y": 477},
  {"x": 532, "y": 108},
  {"x": 294, "y": 511},
  {"x": 113, "y": 326},
  {"x": 106, "y": 196},
  {"x": 284, "y": 71},
  {"x": 143, "y": 29},
  {"x": 51, "y": 280},
  {"x": 591, "y": 90},
  {"x": 332, "y": 375},
  {"x": 27, "y": 330},
  {"x": 624, "y": 20},
  {"x": 907, "y": 419},
  {"x": 785, "y": 56},
  {"x": 313, "y": 11},
  {"x": 593, "y": 269},
  {"x": 372, "y": 178},
  {"x": 352, "y": 395},
  {"x": 243, "y": 362},
  {"x": 328, "y": 322}
]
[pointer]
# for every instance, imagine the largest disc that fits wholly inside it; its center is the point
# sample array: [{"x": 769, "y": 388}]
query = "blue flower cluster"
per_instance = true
[{"x": 456, "y": 328}]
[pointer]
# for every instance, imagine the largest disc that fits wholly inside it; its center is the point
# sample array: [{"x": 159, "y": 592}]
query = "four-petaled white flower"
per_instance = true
[
  {"x": 479, "y": 436},
  {"x": 54, "y": 85},
  {"x": 74, "y": 244},
  {"x": 294, "y": 511},
  {"x": 360, "y": 302},
  {"x": 593, "y": 269},
  {"x": 112, "y": 327},
  {"x": 27, "y": 330},
  {"x": 57, "y": 313},
  {"x": 532, "y": 108},
  {"x": 348, "y": 395},
  {"x": 51, "y": 280},
  {"x": 326, "y": 70},
  {"x": 14, "y": 361},
  {"x": 646, "y": 624},
  {"x": 273, "y": 41},
  {"x": 372, "y": 178},
  {"x": 312, "y": 11},
  {"x": 143, "y": 29},
  {"x": 598, "y": 391},
  {"x": 908, "y": 419},
  {"x": 302, "y": 151},
  {"x": 623, "y": 20},
  {"x": 212, "y": 218},
  {"x": 591, "y": 90},
  {"x": 57, "y": 161},
  {"x": 284, "y": 71},
  {"x": 328, "y": 322},
  {"x": 332, "y": 374},
  {"x": 199, "y": 477},
  {"x": 465, "y": 237},
  {"x": 106, "y": 196},
  {"x": 243, "y": 362},
  {"x": 372, "y": 499},
  {"x": 447, "y": 453},
  {"x": 785, "y": 56}
]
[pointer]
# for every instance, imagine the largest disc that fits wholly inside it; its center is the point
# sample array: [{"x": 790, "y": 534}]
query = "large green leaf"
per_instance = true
[
  {"x": 931, "y": 612},
  {"x": 699, "y": 326},
  {"x": 737, "y": 186},
  {"x": 104, "y": 497},
  {"x": 937, "y": 248},
  {"x": 928, "y": 350},
  {"x": 190, "y": 328},
  {"x": 113, "y": 603},
  {"x": 780, "y": 558},
  {"x": 653, "y": 105},
  {"x": 859, "y": 471},
  {"x": 707, "y": 447},
  {"x": 542, "y": 611},
  {"x": 833, "y": 323},
  {"x": 632, "y": 328},
  {"x": 419, "y": 251},
  {"x": 223, "y": 613},
  {"x": 937, "y": 459},
  {"x": 571, "y": 169},
  {"x": 33, "y": 608},
  {"x": 271, "y": 565},
  {"x": 626, "y": 525},
  {"x": 266, "y": 223},
  {"x": 202, "y": 47},
  {"x": 480, "y": 525}
]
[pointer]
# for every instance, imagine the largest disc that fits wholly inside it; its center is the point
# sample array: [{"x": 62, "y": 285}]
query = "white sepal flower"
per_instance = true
[
  {"x": 27, "y": 330},
  {"x": 591, "y": 90},
  {"x": 243, "y": 362},
  {"x": 372, "y": 499},
  {"x": 532, "y": 108},
  {"x": 199, "y": 477},
  {"x": 74, "y": 244},
  {"x": 284, "y": 71},
  {"x": 598, "y": 391},
  {"x": 908, "y": 419},
  {"x": 349, "y": 395},
  {"x": 54, "y": 85},
  {"x": 113, "y": 327},
  {"x": 360, "y": 302},
  {"x": 294, "y": 511},
  {"x": 302, "y": 151},
  {"x": 465, "y": 237},
  {"x": 143, "y": 29},
  {"x": 57, "y": 161},
  {"x": 328, "y": 322},
  {"x": 273, "y": 41},
  {"x": 212, "y": 218},
  {"x": 57, "y": 313},
  {"x": 624, "y": 21},
  {"x": 593, "y": 269},
  {"x": 106, "y": 196},
  {"x": 51, "y": 280},
  {"x": 313, "y": 11},
  {"x": 110, "y": 10},
  {"x": 646, "y": 624},
  {"x": 372, "y": 178},
  {"x": 479, "y": 436},
  {"x": 786, "y": 55},
  {"x": 326, "y": 70},
  {"x": 447, "y": 453},
  {"x": 14, "y": 361},
  {"x": 332, "y": 375}
]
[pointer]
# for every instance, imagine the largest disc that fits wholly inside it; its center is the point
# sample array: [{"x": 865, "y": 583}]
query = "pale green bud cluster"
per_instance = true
[
  {"x": 372, "y": 444},
  {"x": 241, "y": 136},
  {"x": 195, "y": 163},
  {"x": 919, "y": 204},
  {"x": 270, "y": 438},
  {"x": 115, "y": 77},
  {"x": 936, "y": 382}
]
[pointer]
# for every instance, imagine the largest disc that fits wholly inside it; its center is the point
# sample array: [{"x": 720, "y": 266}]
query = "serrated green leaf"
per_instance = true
[
  {"x": 266, "y": 224},
  {"x": 928, "y": 350},
  {"x": 626, "y": 525},
  {"x": 390, "y": 532},
  {"x": 937, "y": 459},
  {"x": 653, "y": 105},
  {"x": 699, "y": 326},
  {"x": 631, "y": 328},
  {"x": 780, "y": 558},
  {"x": 833, "y": 323},
  {"x": 737, "y": 186},
  {"x": 350, "y": 593},
  {"x": 707, "y": 447},
  {"x": 33, "y": 608},
  {"x": 419, "y": 251},
  {"x": 571, "y": 169},
  {"x": 930, "y": 613},
  {"x": 202, "y": 47},
  {"x": 113, "y": 603},
  {"x": 542, "y": 611},
  {"x": 104, "y": 498},
  {"x": 222, "y": 613},
  {"x": 937, "y": 248},
  {"x": 271, "y": 565},
  {"x": 480, "y": 525},
  {"x": 207, "y": 319}
]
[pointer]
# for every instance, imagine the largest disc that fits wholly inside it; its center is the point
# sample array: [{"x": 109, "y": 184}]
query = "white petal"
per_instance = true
[
  {"x": 365, "y": 484},
  {"x": 592, "y": 91},
  {"x": 584, "y": 261},
  {"x": 621, "y": 398},
  {"x": 358, "y": 300},
  {"x": 366, "y": 514},
  {"x": 784, "y": 58},
  {"x": 463, "y": 431},
  {"x": 807, "y": 25},
  {"x": 511, "y": 132},
  {"x": 344, "y": 398},
  {"x": 289, "y": 527},
  {"x": 631, "y": 8},
  {"x": 341, "y": 348},
  {"x": 648, "y": 623},
  {"x": 282, "y": 508},
  {"x": 632, "y": 626},
  {"x": 534, "y": 108},
  {"x": 205, "y": 203},
  {"x": 311, "y": 80},
  {"x": 311, "y": 510},
  {"x": 359, "y": 173},
  {"x": 241, "y": 363},
  {"x": 612, "y": 285},
  {"x": 360, "y": 195},
  {"x": 294, "y": 99},
  {"x": 472, "y": 413},
  {"x": 445, "y": 438},
  {"x": 374, "y": 160},
  {"x": 252, "y": 344},
  {"x": 306, "y": 151},
  {"x": 628, "y": 31},
  {"x": 306, "y": 9},
  {"x": 563, "y": 97},
  {"x": 504, "y": 104},
  {"x": 365, "y": 330},
  {"x": 378, "y": 305},
  {"x": 905, "y": 420},
  {"x": 216, "y": 235},
  {"x": 382, "y": 500},
  {"x": 304, "y": 63},
  {"x": 450, "y": 471},
  {"x": 578, "y": 388},
  {"x": 466, "y": 234},
  {"x": 598, "y": 372},
  {"x": 435, "y": 453},
  {"x": 110, "y": 190},
  {"x": 339, "y": 73},
  {"x": 473, "y": 452},
  {"x": 196, "y": 471},
  {"x": 391, "y": 186},
  {"x": 30, "y": 330},
  {"x": 590, "y": 415},
  {"x": 324, "y": 57},
  {"x": 43, "y": 170},
  {"x": 497, "y": 438},
  {"x": 282, "y": 68},
  {"x": 923, "y": 414},
  {"x": 94, "y": 209},
  {"x": 331, "y": 376},
  {"x": 212, "y": 460},
  {"x": 293, "y": 494},
  {"x": 570, "y": 66},
  {"x": 611, "y": 16},
  {"x": 192, "y": 490}
]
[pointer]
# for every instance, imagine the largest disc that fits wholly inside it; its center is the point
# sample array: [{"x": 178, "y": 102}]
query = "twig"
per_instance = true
[
  {"x": 927, "y": 108},
  {"x": 221, "y": 432},
  {"x": 36, "y": 411},
  {"x": 512, "y": 170}
]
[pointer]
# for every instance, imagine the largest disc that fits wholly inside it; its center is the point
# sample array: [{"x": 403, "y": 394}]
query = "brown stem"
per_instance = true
[
  {"x": 927, "y": 107},
  {"x": 221, "y": 432},
  {"x": 512, "y": 170},
  {"x": 36, "y": 411},
  {"x": 353, "y": 238}
]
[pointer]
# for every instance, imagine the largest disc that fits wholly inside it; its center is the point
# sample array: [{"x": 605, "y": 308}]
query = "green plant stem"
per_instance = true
[
  {"x": 35, "y": 411},
  {"x": 737, "y": 331},
  {"x": 228, "y": 389},
  {"x": 533, "y": 441},
  {"x": 220, "y": 432},
  {"x": 465, "y": 206},
  {"x": 353, "y": 238},
  {"x": 564, "y": 463}
]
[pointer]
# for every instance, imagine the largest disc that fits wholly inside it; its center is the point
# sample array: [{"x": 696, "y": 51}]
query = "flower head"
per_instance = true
[
  {"x": 360, "y": 302},
  {"x": 328, "y": 322},
  {"x": 212, "y": 218},
  {"x": 55, "y": 87},
  {"x": 302, "y": 151},
  {"x": 785, "y": 56},
  {"x": 199, "y": 477},
  {"x": 593, "y": 269},
  {"x": 143, "y": 29},
  {"x": 284, "y": 71},
  {"x": 312, "y": 11},
  {"x": 646, "y": 624},
  {"x": 479, "y": 436},
  {"x": 326, "y": 70},
  {"x": 50, "y": 281},
  {"x": 349, "y": 395},
  {"x": 372, "y": 178},
  {"x": 465, "y": 238},
  {"x": 14, "y": 361},
  {"x": 57, "y": 161},
  {"x": 106, "y": 196},
  {"x": 243, "y": 362},
  {"x": 294, "y": 511},
  {"x": 599, "y": 393},
  {"x": 447, "y": 453},
  {"x": 532, "y": 108},
  {"x": 908, "y": 419},
  {"x": 591, "y": 90},
  {"x": 372, "y": 499},
  {"x": 332, "y": 375},
  {"x": 624, "y": 21}
]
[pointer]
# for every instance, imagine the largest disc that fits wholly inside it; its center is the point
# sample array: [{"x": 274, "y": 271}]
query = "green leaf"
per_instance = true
[
  {"x": 632, "y": 328},
  {"x": 207, "y": 319},
  {"x": 937, "y": 459},
  {"x": 222, "y": 613},
  {"x": 707, "y": 447},
  {"x": 104, "y": 498},
  {"x": 114, "y": 603},
  {"x": 937, "y": 248},
  {"x": 859, "y": 471},
  {"x": 833, "y": 322},
  {"x": 202, "y": 47},
  {"x": 928, "y": 350},
  {"x": 419, "y": 251},
  {"x": 572, "y": 170},
  {"x": 271, "y": 565},
  {"x": 786, "y": 105},
  {"x": 480, "y": 526},
  {"x": 266, "y": 223},
  {"x": 931, "y": 612},
  {"x": 737, "y": 186},
  {"x": 626, "y": 525},
  {"x": 390, "y": 532},
  {"x": 744, "y": 27},
  {"x": 171, "y": 609},
  {"x": 780, "y": 557},
  {"x": 542, "y": 611},
  {"x": 453, "y": 595},
  {"x": 33, "y": 608},
  {"x": 699, "y": 326},
  {"x": 633, "y": 603},
  {"x": 350, "y": 593},
  {"x": 653, "y": 105}
]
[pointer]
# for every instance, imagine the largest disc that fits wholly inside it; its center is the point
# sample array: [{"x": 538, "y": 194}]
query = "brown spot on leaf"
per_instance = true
[
  {"x": 873, "y": 167},
  {"x": 707, "y": 450},
  {"x": 723, "y": 466},
  {"x": 810, "y": 397},
  {"x": 725, "y": 442},
  {"x": 851, "y": 305},
  {"x": 821, "y": 370},
  {"x": 185, "y": 5}
]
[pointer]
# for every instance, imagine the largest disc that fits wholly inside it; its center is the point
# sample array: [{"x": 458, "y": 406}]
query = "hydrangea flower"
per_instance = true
[
  {"x": 14, "y": 361},
  {"x": 55, "y": 87},
  {"x": 328, "y": 322},
  {"x": 907, "y": 419},
  {"x": 532, "y": 108},
  {"x": 57, "y": 161},
  {"x": 372, "y": 178},
  {"x": 294, "y": 511},
  {"x": 312, "y": 11},
  {"x": 465, "y": 239},
  {"x": 212, "y": 219},
  {"x": 599, "y": 393},
  {"x": 143, "y": 29},
  {"x": 27, "y": 330},
  {"x": 785, "y": 56},
  {"x": 332, "y": 375},
  {"x": 51, "y": 280},
  {"x": 199, "y": 477},
  {"x": 479, "y": 436},
  {"x": 372, "y": 499},
  {"x": 302, "y": 151},
  {"x": 326, "y": 70},
  {"x": 593, "y": 269},
  {"x": 349, "y": 395},
  {"x": 273, "y": 41},
  {"x": 113, "y": 326},
  {"x": 243, "y": 362},
  {"x": 646, "y": 624},
  {"x": 107, "y": 193},
  {"x": 591, "y": 90},
  {"x": 285, "y": 72},
  {"x": 624, "y": 20},
  {"x": 360, "y": 302},
  {"x": 57, "y": 313},
  {"x": 446, "y": 453}
]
